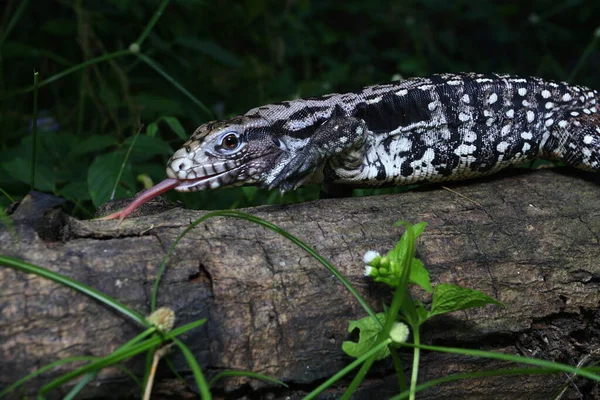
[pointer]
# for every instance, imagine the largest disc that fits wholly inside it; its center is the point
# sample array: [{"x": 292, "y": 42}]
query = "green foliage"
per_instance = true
[
  {"x": 448, "y": 298},
  {"x": 398, "y": 268},
  {"x": 389, "y": 269},
  {"x": 369, "y": 329},
  {"x": 171, "y": 66}
]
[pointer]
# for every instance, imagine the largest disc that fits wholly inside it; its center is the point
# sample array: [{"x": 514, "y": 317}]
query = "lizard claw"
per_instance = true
[{"x": 297, "y": 171}]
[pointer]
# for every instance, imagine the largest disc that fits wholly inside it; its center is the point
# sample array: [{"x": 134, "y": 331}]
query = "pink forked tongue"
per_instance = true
[{"x": 143, "y": 197}]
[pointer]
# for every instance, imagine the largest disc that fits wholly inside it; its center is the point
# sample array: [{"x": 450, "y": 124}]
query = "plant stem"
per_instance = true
[
  {"x": 76, "y": 68},
  {"x": 36, "y": 81},
  {"x": 390, "y": 317},
  {"x": 152, "y": 64},
  {"x": 13, "y": 21},
  {"x": 399, "y": 369},
  {"x": 152, "y": 22},
  {"x": 415, "y": 366},
  {"x": 374, "y": 350},
  {"x": 587, "y": 52}
]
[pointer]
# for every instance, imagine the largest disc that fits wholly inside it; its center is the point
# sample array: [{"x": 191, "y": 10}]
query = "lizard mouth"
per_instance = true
[
  {"x": 205, "y": 182},
  {"x": 212, "y": 181}
]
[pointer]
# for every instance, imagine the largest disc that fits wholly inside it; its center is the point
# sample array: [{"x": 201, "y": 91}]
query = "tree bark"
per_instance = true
[{"x": 528, "y": 239}]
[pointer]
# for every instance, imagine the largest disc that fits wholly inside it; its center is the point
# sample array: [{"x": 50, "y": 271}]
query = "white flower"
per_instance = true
[
  {"x": 162, "y": 318},
  {"x": 534, "y": 18},
  {"x": 134, "y": 48},
  {"x": 399, "y": 332},
  {"x": 368, "y": 270},
  {"x": 370, "y": 256}
]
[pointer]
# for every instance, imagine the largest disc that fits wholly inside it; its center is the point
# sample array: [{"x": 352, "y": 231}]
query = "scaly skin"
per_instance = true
[{"x": 444, "y": 127}]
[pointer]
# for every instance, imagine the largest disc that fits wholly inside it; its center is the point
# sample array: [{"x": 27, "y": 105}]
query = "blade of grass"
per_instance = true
[
  {"x": 248, "y": 374},
  {"x": 187, "y": 327},
  {"x": 193, "y": 364},
  {"x": 50, "y": 366},
  {"x": 340, "y": 374},
  {"x": 73, "y": 284},
  {"x": 586, "y": 54},
  {"x": 274, "y": 228},
  {"x": 36, "y": 81},
  {"x": 8, "y": 196},
  {"x": 150, "y": 62},
  {"x": 124, "y": 163},
  {"x": 102, "y": 363},
  {"x": 8, "y": 222},
  {"x": 71, "y": 70},
  {"x": 398, "y": 368},
  {"x": 13, "y": 21},
  {"x": 152, "y": 22},
  {"x": 79, "y": 386},
  {"x": 89, "y": 377},
  {"x": 43, "y": 369},
  {"x": 117, "y": 356},
  {"x": 511, "y": 358},
  {"x": 475, "y": 375}
]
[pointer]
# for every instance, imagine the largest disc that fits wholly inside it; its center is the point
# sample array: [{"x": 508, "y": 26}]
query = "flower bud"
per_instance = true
[
  {"x": 372, "y": 258},
  {"x": 399, "y": 332},
  {"x": 163, "y": 319}
]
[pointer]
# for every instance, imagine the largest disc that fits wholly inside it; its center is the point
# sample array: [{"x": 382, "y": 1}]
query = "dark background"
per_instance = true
[{"x": 233, "y": 56}]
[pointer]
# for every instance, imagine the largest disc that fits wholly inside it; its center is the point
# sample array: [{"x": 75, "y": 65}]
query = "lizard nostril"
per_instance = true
[{"x": 181, "y": 166}]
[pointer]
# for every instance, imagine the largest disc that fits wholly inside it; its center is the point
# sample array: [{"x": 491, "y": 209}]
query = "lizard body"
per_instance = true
[{"x": 438, "y": 128}]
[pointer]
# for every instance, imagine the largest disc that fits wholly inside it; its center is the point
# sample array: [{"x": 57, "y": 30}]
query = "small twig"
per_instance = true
[
  {"x": 462, "y": 195},
  {"x": 570, "y": 379},
  {"x": 158, "y": 354}
]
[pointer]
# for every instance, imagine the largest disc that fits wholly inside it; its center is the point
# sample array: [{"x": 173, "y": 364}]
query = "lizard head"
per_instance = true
[{"x": 234, "y": 152}]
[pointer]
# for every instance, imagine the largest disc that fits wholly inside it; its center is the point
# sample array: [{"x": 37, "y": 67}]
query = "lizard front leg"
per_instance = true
[{"x": 333, "y": 138}]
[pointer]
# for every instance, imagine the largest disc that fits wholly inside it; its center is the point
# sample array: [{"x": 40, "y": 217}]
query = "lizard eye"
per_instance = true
[{"x": 230, "y": 142}]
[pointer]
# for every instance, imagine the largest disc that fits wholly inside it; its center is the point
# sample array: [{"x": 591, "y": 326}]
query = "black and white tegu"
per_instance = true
[{"x": 437, "y": 128}]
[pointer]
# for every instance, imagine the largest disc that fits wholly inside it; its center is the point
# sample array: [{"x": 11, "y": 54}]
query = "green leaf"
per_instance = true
[
  {"x": 20, "y": 169},
  {"x": 419, "y": 275},
  {"x": 448, "y": 298},
  {"x": 401, "y": 247},
  {"x": 159, "y": 104},
  {"x": 103, "y": 174},
  {"x": 147, "y": 147},
  {"x": 176, "y": 126},
  {"x": 417, "y": 228},
  {"x": 75, "y": 191},
  {"x": 154, "y": 171},
  {"x": 94, "y": 144},
  {"x": 422, "y": 313},
  {"x": 367, "y": 337},
  {"x": 152, "y": 129}
]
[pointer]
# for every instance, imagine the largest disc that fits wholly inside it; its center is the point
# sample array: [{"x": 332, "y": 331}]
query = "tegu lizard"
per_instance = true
[{"x": 428, "y": 129}]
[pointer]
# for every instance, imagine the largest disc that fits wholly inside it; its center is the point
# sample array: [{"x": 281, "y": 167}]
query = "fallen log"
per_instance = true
[{"x": 528, "y": 239}]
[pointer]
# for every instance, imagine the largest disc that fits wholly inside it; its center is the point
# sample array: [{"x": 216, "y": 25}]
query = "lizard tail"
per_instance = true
[{"x": 575, "y": 140}]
